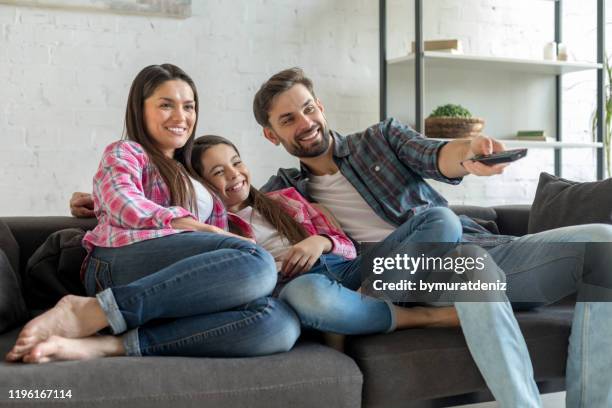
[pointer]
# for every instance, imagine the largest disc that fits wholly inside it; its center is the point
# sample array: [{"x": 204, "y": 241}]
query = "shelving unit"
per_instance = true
[{"x": 524, "y": 88}]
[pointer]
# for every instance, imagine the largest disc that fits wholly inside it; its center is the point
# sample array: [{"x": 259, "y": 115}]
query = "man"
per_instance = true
[{"x": 373, "y": 182}]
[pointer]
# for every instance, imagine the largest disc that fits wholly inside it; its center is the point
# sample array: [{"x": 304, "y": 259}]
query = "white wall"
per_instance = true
[{"x": 65, "y": 77}]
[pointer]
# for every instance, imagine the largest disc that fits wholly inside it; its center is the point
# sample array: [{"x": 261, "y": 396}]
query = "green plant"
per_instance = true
[
  {"x": 607, "y": 129},
  {"x": 456, "y": 111}
]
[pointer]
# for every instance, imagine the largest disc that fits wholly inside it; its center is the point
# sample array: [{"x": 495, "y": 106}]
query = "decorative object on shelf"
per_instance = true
[
  {"x": 607, "y": 128},
  {"x": 452, "y": 46},
  {"x": 533, "y": 136},
  {"x": 562, "y": 52},
  {"x": 452, "y": 121},
  {"x": 550, "y": 51}
]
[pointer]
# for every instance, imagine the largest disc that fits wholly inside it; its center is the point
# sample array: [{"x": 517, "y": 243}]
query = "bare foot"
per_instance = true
[
  {"x": 72, "y": 317},
  {"x": 335, "y": 341},
  {"x": 57, "y": 348},
  {"x": 430, "y": 316},
  {"x": 443, "y": 316}
]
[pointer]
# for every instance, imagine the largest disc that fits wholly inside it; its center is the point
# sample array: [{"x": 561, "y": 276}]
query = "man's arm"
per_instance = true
[
  {"x": 454, "y": 157},
  {"x": 82, "y": 205}
]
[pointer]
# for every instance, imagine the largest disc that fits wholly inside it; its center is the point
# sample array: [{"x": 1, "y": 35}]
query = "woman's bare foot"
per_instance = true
[
  {"x": 72, "y": 317},
  {"x": 57, "y": 348}
]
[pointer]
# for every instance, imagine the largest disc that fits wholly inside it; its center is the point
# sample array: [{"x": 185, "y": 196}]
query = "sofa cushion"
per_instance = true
[
  {"x": 310, "y": 375},
  {"x": 420, "y": 364},
  {"x": 54, "y": 269},
  {"x": 560, "y": 203},
  {"x": 13, "y": 310},
  {"x": 9, "y": 245}
]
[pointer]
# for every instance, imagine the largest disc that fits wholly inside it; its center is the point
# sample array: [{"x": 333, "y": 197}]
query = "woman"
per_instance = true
[
  {"x": 169, "y": 283},
  {"x": 302, "y": 240}
]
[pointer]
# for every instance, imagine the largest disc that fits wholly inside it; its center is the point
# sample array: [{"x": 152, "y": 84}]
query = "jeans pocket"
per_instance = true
[{"x": 97, "y": 276}]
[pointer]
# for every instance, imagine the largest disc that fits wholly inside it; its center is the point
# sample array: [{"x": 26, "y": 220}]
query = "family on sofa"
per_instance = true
[{"x": 185, "y": 255}]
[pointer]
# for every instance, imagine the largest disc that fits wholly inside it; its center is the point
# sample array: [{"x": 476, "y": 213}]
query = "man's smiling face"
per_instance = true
[{"x": 297, "y": 122}]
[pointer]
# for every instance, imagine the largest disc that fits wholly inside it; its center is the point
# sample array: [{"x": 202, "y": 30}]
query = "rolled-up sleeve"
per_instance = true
[{"x": 417, "y": 152}]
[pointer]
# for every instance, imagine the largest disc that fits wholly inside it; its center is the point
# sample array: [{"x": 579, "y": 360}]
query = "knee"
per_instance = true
[
  {"x": 289, "y": 330},
  {"x": 447, "y": 220},
  {"x": 308, "y": 294},
  {"x": 282, "y": 328},
  {"x": 264, "y": 274},
  {"x": 596, "y": 232}
]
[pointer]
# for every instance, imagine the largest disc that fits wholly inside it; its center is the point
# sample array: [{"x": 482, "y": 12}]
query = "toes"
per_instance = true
[{"x": 42, "y": 352}]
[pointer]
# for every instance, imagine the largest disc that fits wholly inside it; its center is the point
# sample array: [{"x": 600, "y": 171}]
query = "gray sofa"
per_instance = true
[{"x": 408, "y": 368}]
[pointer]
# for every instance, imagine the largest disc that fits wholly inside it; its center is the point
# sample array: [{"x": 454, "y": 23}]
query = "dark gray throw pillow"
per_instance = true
[
  {"x": 561, "y": 203},
  {"x": 13, "y": 310}
]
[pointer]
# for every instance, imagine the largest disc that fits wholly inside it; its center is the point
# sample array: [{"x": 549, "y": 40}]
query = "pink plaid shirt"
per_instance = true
[
  {"x": 132, "y": 201},
  {"x": 311, "y": 219}
]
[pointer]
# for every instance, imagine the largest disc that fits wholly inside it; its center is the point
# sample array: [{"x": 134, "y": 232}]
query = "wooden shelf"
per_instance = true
[
  {"x": 513, "y": 143},
  {"x": 473, "y": 62}
]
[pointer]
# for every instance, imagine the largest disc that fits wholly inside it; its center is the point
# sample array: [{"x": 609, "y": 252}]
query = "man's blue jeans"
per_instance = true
[
  {"x": 326, "y": 299},
  {"x": 192, "y": 294},
  {"x": 493, "y": 336}
]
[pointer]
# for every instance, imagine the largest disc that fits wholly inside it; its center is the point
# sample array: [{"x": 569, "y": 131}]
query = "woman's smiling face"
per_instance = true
[
  {"x": 227, "y": 173},
  {"x": 170, "y": 115}
]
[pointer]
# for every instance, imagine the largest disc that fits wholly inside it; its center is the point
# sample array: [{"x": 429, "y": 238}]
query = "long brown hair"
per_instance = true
[
  {"x": 270, "y": 209},
  {"x": 173, "y": 171}
]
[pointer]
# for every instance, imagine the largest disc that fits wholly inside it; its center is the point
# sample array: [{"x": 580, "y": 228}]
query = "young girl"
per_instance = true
[
  {"x": 304, "y": 242},
  {"x": 168, "y": 282}
]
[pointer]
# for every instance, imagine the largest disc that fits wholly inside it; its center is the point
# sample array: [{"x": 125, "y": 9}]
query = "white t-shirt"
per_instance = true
[
  {"x": 353, "y": 213},
  {"x": 204, "y": 200},
  {"x": 266, "y": 235}
]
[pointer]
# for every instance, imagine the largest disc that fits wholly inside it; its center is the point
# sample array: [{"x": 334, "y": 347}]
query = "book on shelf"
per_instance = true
[
  {"x": 533, "y": 135},
  {"x": 452, "y": 46}
]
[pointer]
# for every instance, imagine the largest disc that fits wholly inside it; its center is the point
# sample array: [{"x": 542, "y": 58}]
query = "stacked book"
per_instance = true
[
  {"x": 450, "y": 46},
  {"x": 533, "y": 135}
]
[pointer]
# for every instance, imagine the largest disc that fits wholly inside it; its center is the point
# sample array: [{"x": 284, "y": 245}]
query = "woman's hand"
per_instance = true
[
  {"x": 188, "y": 223},
  {"x": 302, "y": 256}
]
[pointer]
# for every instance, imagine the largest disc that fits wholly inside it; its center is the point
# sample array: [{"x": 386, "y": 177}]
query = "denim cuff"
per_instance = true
[
  {"x": 131, "y": 343},
  {"x": 393, "y": 325},
  {"x": 111, "y": 310}
]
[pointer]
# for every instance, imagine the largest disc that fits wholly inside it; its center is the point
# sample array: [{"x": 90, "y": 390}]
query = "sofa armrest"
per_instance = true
[{"x": 31, "y": 232}]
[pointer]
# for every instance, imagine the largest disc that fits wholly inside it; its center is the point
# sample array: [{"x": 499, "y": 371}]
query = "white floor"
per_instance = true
[{"x": 555, "y": 400}]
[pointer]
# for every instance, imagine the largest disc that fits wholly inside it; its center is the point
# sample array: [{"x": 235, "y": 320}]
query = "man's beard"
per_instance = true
[{"x": 315, "y": 149}]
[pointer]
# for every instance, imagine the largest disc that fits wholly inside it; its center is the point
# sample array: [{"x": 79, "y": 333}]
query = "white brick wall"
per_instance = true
[{"x": 65, "y": 77}]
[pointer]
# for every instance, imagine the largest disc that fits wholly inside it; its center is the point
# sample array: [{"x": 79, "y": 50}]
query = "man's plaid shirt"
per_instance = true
[{"x": 388, "y": 164}]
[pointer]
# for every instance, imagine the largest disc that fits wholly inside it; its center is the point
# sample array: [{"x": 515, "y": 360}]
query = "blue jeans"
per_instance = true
[
  {"x": 326, "y": 299},
  {"x": 493, "y": 335},
  {"x": 192, "y": 294}
]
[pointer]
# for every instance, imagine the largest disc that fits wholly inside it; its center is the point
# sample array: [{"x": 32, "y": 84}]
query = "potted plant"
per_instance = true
[
  {"x": 607, "y": 129},
  {"x": 452, "y": 121}
]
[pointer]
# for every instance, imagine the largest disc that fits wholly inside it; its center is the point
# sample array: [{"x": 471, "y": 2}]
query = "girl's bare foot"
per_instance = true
[
  {"x": 72, "y": 317},
  {"x": 57, "y": 348},
  {"x": 407, "y": 317},
  {"x": 335, "y": 341}
]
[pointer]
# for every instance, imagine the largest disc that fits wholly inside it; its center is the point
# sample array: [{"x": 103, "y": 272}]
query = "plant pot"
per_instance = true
[{"x": 453, "y": 127}]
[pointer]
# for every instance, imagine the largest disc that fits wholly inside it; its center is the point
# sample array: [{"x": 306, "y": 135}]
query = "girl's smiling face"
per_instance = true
[{"x": 226, "y": 172}]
